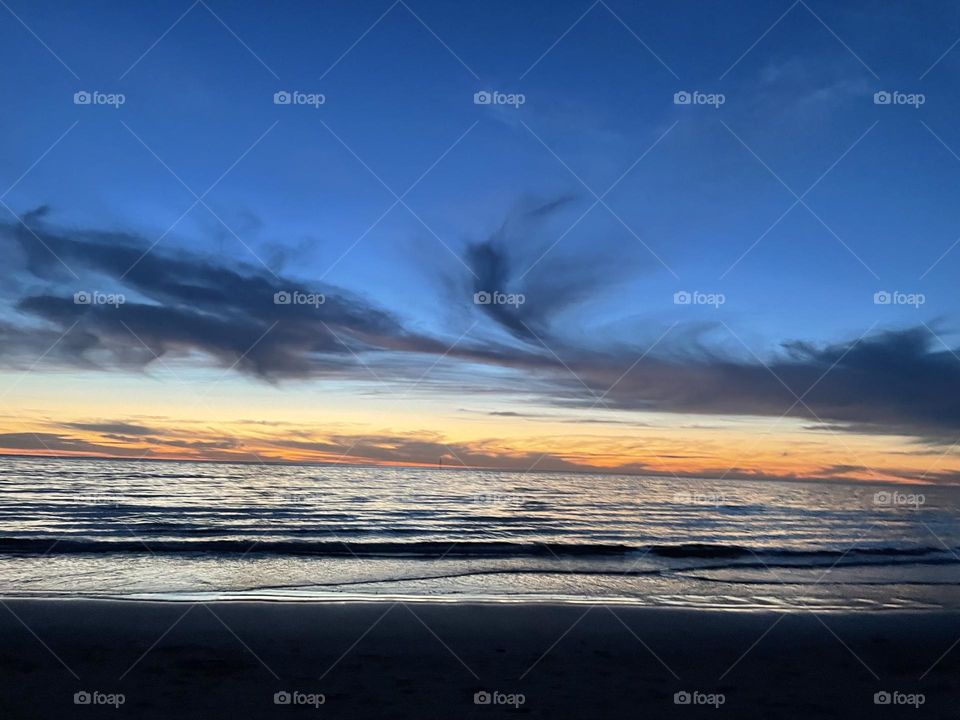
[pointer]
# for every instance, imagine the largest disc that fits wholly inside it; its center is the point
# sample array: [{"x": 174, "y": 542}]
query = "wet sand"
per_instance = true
[{"x": 419, "y": 660}]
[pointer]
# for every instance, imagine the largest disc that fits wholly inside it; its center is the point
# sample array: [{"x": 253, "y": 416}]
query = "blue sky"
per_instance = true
[
  {"x": 700, "y": 191},
  {"x": 599, "y": 99}
]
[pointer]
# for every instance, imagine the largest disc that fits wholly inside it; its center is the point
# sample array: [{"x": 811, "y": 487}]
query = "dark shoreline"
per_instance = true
[{"x": 430, "y": 660}]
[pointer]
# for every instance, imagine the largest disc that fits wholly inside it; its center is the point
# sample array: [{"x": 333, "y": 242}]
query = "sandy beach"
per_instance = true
[{"x": 420, "y": 660}]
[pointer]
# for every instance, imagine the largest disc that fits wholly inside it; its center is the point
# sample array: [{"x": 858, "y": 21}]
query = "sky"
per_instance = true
[{"x": 484, "y": 234}]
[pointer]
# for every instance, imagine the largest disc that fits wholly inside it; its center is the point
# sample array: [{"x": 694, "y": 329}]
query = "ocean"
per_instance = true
[{"x": 209, "y": 531}]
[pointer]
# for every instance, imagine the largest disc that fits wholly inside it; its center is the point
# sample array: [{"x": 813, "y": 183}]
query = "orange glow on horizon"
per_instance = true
[{"x": 732, "y": 449}]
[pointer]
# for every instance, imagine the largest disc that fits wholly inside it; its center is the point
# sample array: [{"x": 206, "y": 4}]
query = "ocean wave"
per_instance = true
[
  {"x": 742, "y": 556},
  {"x": 708, "y": 550},
  {"x": 429, "y": 550}
]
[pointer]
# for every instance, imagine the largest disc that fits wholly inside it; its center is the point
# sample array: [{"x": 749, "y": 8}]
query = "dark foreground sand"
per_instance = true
[{"x": 229, "y": 660}]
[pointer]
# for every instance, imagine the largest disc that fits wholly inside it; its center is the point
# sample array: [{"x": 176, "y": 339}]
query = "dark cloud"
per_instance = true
[
  {"x": 114, "y": 445},
  {"x": 205, "y": 445},
  {"x": 901, "y": 382},
  {"x": 122, "y": 428},
  {"x": 178, "y": 303},
  {"x": 59, "y": 443},
  {"x": 558, "y": 419},
  {"x": 519, "y": 258},
  {"x": 430, "y": 450}
]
